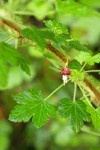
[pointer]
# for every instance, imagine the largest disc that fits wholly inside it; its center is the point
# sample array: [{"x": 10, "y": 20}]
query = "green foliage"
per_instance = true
[
  {"x": 95, "y": 115},
  {"x": 31, "y": 103},
  {"x": 77, "y": 45},
  {"x": 83, "y": 57},
  {"x": 76, "y": 111},
  {"x": 88, "y": 58},
  {"x": 56, "y": 27},
  {"x": 55, "y": 33},
  {"x": 32, "y": 106},
  {"x": 41, "y": 8},
  {"x": 57, "y": 41},
  {"x": 9, "y": 57},
  {"x": 94, "y": 59},
  {"x": 75, "y": 65},
  {"x": 74, "y": 9},
  {"x": 77, "y": 76},
  {"x": 35, "y": 35}
]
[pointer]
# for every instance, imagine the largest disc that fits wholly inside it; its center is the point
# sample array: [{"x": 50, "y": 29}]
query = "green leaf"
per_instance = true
[
  {"x": 75, "y": 65},
  {"x": 75, "y": 9},
  {"x": 77, "y": 75},
  {"x": 95, "y": 115},
  {"x": 35, "y": 35},
  {"x": 88, "y": 58},
  {"x": 56, "y": 27},
  {"x": 4, "y": 71},
  {"x": 9, "y": 57},
  {"x": 76, "y": 111},
  {"x": 94, "y": 59},
  {"x": 27, "y": 95},
  {"x": 32, "y": 106},
  {"x": 43, "y": 111},
  {"x": 83, "y": 57},
  {"x": 77, "y": 45}
]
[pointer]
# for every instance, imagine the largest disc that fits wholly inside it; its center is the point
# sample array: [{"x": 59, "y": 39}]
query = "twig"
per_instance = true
[
  {"x": 90, "y": 132},
  {"x": 75, "y": 90}
]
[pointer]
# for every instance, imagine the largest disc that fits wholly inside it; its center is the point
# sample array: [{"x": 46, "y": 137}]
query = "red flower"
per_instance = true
[{"x": 66, "y": 71}]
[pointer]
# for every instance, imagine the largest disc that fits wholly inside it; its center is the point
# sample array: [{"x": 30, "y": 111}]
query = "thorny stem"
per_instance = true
[
  {"x": 90, "y": 132},
  {"x": 75, "y": 90},
  {"x": 55, "y": 91}
]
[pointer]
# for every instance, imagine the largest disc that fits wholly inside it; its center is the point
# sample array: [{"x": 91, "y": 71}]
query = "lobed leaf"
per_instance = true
[
  {"x": 95, "y": 115},
  {"x": 42, "y": 113},
  {"x": 77, "y": 45},
  {"x": 75, "y": 65},
  {"x": 10, "y": 57},
  {"x": 83, "y": 57},
  {"x": 35, "y": 35},
  {"x": 56, "y": 27},
  {"x": 88, "y": 58},
  {"x": 27, "y": 95},
  {"x": 76, "y": 111},
  {"x": 94, "y": 59},
  {"x": 32, "y": 106}
]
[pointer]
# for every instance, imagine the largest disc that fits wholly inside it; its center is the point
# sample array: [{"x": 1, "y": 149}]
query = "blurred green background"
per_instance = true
[{"x": 83, "y": 21}]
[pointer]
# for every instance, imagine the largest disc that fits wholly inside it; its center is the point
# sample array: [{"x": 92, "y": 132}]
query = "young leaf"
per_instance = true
[
  {"x": 94, "y": 59},
  {"x": 77, "y": 75},
  {"x": 35, "y": 35},
  {"x": 56, "y": 27},
  {"x": 10, "y": 56},
  {"x": 83, "y": 57},
  {"x": 32, "y": 106},
  {"x": 75, "y": 65},
  {"x": 76, "y": 111},
  {"x": 77, "y": 45}
]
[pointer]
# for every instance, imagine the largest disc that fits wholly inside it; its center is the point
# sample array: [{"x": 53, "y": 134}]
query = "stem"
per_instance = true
[
  {"x": 83, "y": 67},
  {"x": 16, "y": 43},
  {"x": 9, "y": 39},
  {"x": 75, "y": 89},
  {"x": 55, "y": 91},
  {"x": 85, "y": 96},
  {"x": 27, "y": 13},
  {"x": 90, "y": 132},
  {"x": 92, "y": 71},
  {"x": 82, "y": 98}
]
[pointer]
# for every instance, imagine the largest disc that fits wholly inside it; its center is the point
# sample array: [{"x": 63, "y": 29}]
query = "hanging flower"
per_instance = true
[{"x": 65, "y": 73}]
